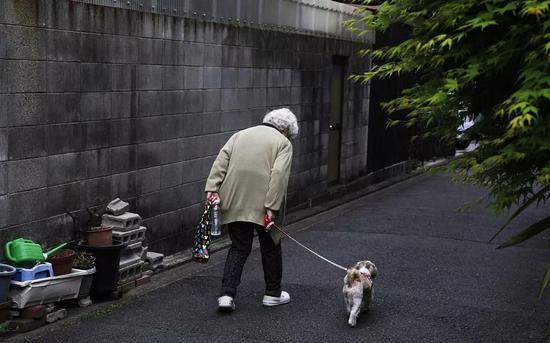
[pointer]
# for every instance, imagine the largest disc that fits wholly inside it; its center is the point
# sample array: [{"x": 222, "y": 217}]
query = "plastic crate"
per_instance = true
[{"x": 46, "y": 290}]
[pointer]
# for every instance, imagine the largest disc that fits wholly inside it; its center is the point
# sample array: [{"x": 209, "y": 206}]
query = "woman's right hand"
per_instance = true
[{"x": 213, "y": 197}]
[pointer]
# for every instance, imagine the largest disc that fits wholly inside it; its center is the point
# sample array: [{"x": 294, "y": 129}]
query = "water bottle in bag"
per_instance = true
[{"x": 216, "y": 220}]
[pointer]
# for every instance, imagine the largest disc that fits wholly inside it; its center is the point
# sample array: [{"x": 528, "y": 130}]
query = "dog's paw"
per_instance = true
[{"x": 352, "y": 322}]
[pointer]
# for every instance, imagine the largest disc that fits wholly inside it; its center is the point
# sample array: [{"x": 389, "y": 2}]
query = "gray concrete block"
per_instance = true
[
  {"x": 170, "y": 223},
  {"x": 170, "y": 175},
  {"x": 124, "y": 49},
  {"x": 63, "y": 199},
  {"x": 230, "y": 35},
  {"x": 148, "y": 205},
  {"x": 4, "y": 208},
  {"x": 174, "y": 28},
  {"x": 192, "y": 170},
  {"x": 230, "y": 77},
  {"x": 124, "y": 185},
  {"x": 96, "y": 134},
  {"x": 230, "y": 100},
  {"x": 123, "y": 159},
  {"x": 65, "y": 168},
  {"x": 123, "y": 104},
  {"x": 149, "y": 154},
  {"x": 173, "y": 77},
  {"x": 148, "y": 129},
  {"x": 63, "y": 46},
  {"x": 27, "y": 43},
  {"x": 230, "y": 56},
  {"x": 96, "y": 77},
  {"x": 23, "y": 142},
  {"x": 170, "y": 151},
  {"x": 3, "y": 40},
  {"x": 95, "y": 192},
  {"x": 192, "y": 124},
  {"x": 174, "y": 53},
  {"x": 62, "y": 107},
  {"x": 149, "y": 77},
  {"x": 117, "y": 207},
  {"x": 212, "y": 100},
  {"x": 193, "y": 54},
  {"x": 245, "y": 77},
  {"x": 212, "y": 55},
  {"x": 95, "y": 48},
  {"x": 123, "y": 132},
  {"x": 212, "y": 77},
  {"x": 174, "y": 102},
  {"x": 212, "y": 33},
  {"x": 148, "y": 180},
  {"x": 95, "y": 106},
  {"x": 194, "y": 101},
  {"x": 192, "y": 193},
  {"x": 26, "y": 109},
  {"x": 27, "y": 174},
  {"x": 194, "y": 30},
  {"x": 171, "y": 199},
  {"x": 150, "y": 51},
  {"x": 96, "y": 163},
  {"x": 259, "y": 77},
  {"x": 150, "y": 103},
  {"x": 246, "y": 57},
  {"x": 26, "y": 76},
  {"x": 259, "y": 98},
  {"x": 27, "y": 206},
  {"x": 124, "y": 222},
  {"x": 3, "y": 178},
  {"x": 122, "y": 76},
  {"x": 62, "y": 138},
  {"x": 4, "y": 80},
  {"x": 211, "y": 122},
  {"x": 3, "y": 109},
  {"x": 193, "y": 78}
]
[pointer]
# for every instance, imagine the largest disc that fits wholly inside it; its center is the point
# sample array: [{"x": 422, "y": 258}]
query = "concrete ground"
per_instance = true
[{"x": 440, "y": 280}]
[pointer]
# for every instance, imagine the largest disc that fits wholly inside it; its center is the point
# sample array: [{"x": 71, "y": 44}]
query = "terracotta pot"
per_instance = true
[
  {"x": 99, "y": 236},
  {"x": 62, "y": 261}
]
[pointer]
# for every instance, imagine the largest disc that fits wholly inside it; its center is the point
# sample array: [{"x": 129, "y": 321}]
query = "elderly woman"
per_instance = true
[{"x": 250, "y": 177}]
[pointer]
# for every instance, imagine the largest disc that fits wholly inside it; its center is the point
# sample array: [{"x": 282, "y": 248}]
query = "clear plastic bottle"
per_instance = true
[{"x": 216, "y": 220}]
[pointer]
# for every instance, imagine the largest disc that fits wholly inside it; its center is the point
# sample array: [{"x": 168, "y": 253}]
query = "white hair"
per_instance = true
[{"x": 283, "y": 118}]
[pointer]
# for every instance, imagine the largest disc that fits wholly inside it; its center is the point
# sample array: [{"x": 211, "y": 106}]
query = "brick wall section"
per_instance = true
[{"x": 97, "y": 102}]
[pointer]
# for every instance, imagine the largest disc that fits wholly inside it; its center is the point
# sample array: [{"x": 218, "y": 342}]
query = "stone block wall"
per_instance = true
[{"x": 97, "y": 103}]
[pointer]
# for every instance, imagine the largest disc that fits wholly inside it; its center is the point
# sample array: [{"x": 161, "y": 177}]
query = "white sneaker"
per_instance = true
[
  {"x": 275, "y": 301},
  {"x": 226, "y": 303}
]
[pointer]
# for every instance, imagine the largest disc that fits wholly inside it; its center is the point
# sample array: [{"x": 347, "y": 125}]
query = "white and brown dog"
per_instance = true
[{"x": 358, "y": 289}]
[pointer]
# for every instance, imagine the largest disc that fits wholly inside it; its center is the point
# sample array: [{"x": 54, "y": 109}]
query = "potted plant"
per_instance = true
[
  {"x": 85, "y": 261},
  {"x": 95, "y": 234},
  {"x": 62, "y": 261}
]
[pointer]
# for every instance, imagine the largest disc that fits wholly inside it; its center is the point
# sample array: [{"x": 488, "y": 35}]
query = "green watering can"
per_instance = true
[{"x": 23, "y": 252}]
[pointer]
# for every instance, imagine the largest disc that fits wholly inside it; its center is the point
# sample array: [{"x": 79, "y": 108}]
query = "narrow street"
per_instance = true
[{"x": 439, "y": 281}]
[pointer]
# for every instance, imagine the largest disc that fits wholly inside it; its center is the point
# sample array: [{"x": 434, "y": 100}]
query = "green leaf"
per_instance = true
[
  {"x": 526, "y": 204},
  {"x": 544, "y": 282},
  {"x": 530, "y": 232}
]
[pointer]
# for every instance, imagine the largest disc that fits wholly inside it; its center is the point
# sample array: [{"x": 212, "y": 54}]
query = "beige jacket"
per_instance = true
[{"x": 251, "y": 174}]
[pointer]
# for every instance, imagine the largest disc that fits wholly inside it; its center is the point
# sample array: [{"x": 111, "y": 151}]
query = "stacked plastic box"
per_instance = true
[{"x": 127, "y": 229}]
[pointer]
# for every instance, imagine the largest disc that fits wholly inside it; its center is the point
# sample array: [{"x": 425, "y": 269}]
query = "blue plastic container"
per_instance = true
[
  {"x": 39, "y": 271},
  {"x": 6, "y": 272}
]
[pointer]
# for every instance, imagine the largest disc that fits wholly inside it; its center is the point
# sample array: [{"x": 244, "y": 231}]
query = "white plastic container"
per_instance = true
[{"x": 47, "y": 290}]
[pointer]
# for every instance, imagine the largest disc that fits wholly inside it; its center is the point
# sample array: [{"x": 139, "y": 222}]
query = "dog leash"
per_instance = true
[{"x": 303, "y": 246}]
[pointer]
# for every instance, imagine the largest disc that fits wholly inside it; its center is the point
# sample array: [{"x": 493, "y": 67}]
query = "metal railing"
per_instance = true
[{"x": 316, "y": 17}]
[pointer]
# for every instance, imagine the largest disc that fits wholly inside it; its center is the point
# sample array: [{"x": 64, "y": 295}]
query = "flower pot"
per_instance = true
[
  {"x": 99, "y": 236},
  {"x": 6, "y": 272},
  {"x": 107, "y": 259},
  {"x": 62, "y": 261}
]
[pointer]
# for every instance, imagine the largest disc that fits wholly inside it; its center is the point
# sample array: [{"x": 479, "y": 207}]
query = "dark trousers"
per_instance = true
[{"x": 242, "y": 234}]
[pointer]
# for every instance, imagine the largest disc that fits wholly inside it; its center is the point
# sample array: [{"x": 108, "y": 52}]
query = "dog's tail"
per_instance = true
[{"x": 353, "y": 275}]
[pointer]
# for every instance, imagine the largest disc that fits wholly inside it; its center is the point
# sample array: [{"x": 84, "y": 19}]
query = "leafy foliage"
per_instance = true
[{"x": 482, "y": 59}]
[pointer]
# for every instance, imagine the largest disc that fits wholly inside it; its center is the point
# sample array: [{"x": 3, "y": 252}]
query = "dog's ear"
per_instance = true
[{"x": 372, "y": 269}]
